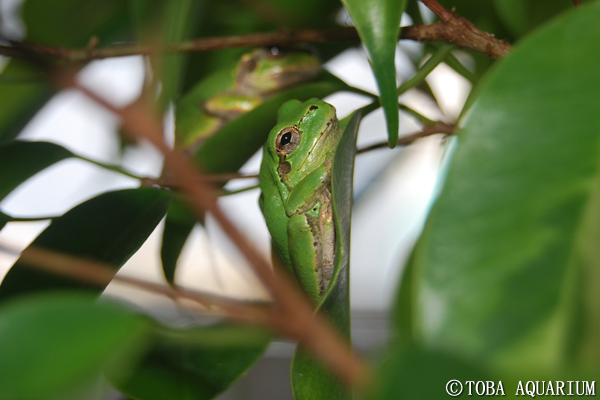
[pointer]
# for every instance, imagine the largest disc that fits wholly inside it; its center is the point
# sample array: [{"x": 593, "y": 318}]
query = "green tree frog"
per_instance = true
[
  {"x": 258, "y": 74},
  {"x": 295, "y": 183}
]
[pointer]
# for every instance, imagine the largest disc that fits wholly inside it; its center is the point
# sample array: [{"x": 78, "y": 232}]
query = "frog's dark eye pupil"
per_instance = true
[{"x": 286, "y": 138}]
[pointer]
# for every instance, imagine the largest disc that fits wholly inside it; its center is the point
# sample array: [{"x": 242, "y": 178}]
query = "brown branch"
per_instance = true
[
  {"x": 449, "y": 31},
  {"x": 461, "y": 32},
  {"x": 438, "y": 127},
  {"x": 295, "y": 312},
  {"x": 101, "y": 274},
  {"x": 577, "y": 3}
]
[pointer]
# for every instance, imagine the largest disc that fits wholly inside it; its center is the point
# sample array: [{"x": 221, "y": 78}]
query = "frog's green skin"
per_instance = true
[
  {"x": 295, "y": 183},
  {"x": 259, "y": 74}
]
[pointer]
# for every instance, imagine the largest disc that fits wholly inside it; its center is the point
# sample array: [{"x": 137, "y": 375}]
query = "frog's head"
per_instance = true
[
  {"x": 304, "y": 138},
  {"x": 269, "y": 69}
]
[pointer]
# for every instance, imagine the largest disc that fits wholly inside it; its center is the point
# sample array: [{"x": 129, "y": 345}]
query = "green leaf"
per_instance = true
[
  {"x": 521, "y": 17},
  {"x": 378, "y": 25},
  {"x": 20, "y": 161},
  {"x": 109, "y": 228},
  {"x": 4, "y": 219},
  {"x": 409, "y": 372},
  {"x": 309, "y": 378},
  {"x": 55, "y": 343},
  {"x": 507, "y": 269},
  {"x": 194, "y": 364},
  {"x": 23, "y": 91},
  {"x": 72, "y": 23}
]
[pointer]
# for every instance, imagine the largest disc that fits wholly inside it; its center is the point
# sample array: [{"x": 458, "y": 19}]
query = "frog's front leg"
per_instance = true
[
  {"x": 303, "y": 255},
  {"x": 306, "y": 193}
]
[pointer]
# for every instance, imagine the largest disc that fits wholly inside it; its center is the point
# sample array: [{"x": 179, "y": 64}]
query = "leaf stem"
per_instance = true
[
  {"x": 415, "y": 114},
  {"x": 426, "y": 69},
  {"x": 109, "y": 167}
]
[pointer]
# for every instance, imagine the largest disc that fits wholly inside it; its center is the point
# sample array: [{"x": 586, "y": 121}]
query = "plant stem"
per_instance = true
[
  {"x": 422, "y": 73},
  {"x": 415, "y": 114},
  {"x": 110, "y": 167}
]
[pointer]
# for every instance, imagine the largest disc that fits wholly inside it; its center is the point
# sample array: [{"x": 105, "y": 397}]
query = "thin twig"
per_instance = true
[
  {"x": 295, "y": 313},
  {"x": 438, "y": 127},
  {"x": 577, "y": 3},
  {"x": 461, "y": 32},
  {"x": 101, "y": 274}
]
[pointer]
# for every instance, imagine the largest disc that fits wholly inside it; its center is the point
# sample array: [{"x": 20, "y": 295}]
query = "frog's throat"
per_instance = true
[{"x": 324, "y": 134}]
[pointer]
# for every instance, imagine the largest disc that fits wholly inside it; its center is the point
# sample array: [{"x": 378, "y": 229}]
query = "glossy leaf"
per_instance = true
[
  {"x": 20, "y": 161},
  {"x": 378, "y": 25},
  {"x": 507, "y": 269},
  {"x": 109, "y": 228},
  {"x": 53, "y": 344},
  {"x": 309, "y": 378},
  {"x": 194, "y": 364}
]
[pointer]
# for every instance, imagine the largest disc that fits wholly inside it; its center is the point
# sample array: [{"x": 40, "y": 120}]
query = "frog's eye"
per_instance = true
[{"x": 287, "y": 140}]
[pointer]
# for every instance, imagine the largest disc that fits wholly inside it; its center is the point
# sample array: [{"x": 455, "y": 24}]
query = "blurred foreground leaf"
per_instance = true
[
  {"x": 194, "y": 364},
  {"x": 507, "y": 269},
  {"x": 53, "y": 344}
]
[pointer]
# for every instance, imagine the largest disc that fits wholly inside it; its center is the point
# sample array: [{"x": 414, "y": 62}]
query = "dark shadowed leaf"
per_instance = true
[
  {"x": 178, "y": 225},
  {"x": 72, "y": 23},
  {"x": 109, "y": 228},
  {"x": 3, "y": 219},
  {"x": 309, "y": 378},
  {"x": 23, "y": 90},
  {"x": 20, "y": 161}
]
